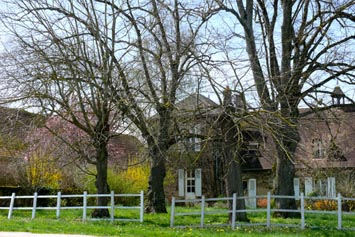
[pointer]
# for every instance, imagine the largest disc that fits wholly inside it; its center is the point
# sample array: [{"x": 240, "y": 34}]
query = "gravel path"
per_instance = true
[{"x": 27, "y": 234}]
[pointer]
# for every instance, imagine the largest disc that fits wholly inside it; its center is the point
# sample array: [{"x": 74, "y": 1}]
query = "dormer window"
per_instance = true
[
  {"x": 253, "y": 146},
  {"x": 319, "y": 151}
]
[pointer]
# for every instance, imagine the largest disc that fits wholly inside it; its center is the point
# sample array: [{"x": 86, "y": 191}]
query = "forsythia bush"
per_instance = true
[
  {"x": 41, "y": 172},
  {"x": 326, "y": 205},
  {"x": 138, "y": 176},
  {"x": 131, "y": 180}
]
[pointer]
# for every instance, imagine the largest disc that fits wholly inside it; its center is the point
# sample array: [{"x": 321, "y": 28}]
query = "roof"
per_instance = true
[
  {"x": 197, "y": 104},
  {"x": 122, "y": 148},
  {"x": 194, "y": 101},
  {"x": 16, "y": 121},
  {"x": 14, "y": 127}
]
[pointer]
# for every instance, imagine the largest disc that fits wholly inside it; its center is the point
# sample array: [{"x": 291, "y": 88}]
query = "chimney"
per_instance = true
[
  {"x": 227, "y": 97},
  {"x": 338, "y": 96}
]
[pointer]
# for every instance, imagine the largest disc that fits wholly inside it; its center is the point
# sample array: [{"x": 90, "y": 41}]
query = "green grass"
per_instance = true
[{"x": 158, "y": 225}]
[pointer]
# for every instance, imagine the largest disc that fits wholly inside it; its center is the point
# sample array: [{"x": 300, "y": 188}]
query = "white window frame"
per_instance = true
[
  {"x": 190, "y": 183},
  {"x": 318, "y": 148},
  {"x": 194, "y": 143}
]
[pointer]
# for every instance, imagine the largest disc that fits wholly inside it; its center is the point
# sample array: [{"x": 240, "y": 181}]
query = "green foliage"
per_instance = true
[
  {"x": 158, "y": 225},
  {"x": 312, "y": 194},
  {"x": 133, "y": 180}
]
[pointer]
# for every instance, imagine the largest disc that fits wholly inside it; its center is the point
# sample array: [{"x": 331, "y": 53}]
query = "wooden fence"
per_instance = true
[
  {"x": 202, "y": 202},
  {"x": 59, "y": 197}
]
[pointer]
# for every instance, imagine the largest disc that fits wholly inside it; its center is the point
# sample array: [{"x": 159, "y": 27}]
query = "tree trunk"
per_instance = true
[
  {"x": 157, "y": 151},
  {"x": 232, "y": 153},
  {"x": 285, "y": 170},
  {"x": 100, "y": 143},
  {"x": 102, "y": 187},
  {"x": 156, "y": 195},
  {"x": 235, "y": 185}
]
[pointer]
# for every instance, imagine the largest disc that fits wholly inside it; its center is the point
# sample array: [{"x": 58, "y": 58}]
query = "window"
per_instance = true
[
  {"x": 194, "y": 143},
  {"x": 190, "y": 182},
  {"x": 253, "y": 146},
  {"x": 319, "y": 151}
]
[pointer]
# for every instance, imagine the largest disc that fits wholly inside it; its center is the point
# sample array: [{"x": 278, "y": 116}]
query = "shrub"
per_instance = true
[
  {"x": 133, "y": 180},
  {"x": 37, "y": 171},
  {"x": 325, "y": 205},
  {"x": 129, "y": 181},
  {"x": 262, "y": 203},
  {"x": 348, "y": 205}
]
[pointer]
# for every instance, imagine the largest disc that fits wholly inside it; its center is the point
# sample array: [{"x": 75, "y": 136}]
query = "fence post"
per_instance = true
[
  {"x": 59, "y": 196},
  {"x": 234, "y": 207},
  {"x": 202, "y": 211},
  {"x": 35, "y": 195},
  {"x": 84, "y": 205},
  {"x": 268, "y": 211},
  {"x": 11, "y": 208},
  {"x": 172, "y": 212},
  {"x": 142, "y": 207},
  {"x": 339, "y": 212},
  {"x": 303, "y": 223},
  {"x": 112, "y": 205}
]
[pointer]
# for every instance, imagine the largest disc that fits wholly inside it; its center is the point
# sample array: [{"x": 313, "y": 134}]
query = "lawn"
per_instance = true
[{"x": 158, "y": 225}]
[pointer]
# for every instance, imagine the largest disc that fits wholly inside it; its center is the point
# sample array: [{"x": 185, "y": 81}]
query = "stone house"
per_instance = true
[
  {"x": 325, "y": 155},
  {"x": 327, "y": 149},
  {"x": 197, "y": 159}
]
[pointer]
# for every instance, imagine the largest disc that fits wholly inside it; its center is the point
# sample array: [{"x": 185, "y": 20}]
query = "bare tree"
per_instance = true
[
  {"x": 232, "y": 150},
  {"x": 295, "y": 50},
  {"x": 91, "y": 62},
  {"x": 60, "y": 66},
  {"x": 166, "y": 34}
]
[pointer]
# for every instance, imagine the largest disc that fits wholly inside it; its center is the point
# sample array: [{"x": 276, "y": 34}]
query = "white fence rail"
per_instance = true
[
  {"x": 338, "y": 213},
  {"x": 59, "y": 197}
]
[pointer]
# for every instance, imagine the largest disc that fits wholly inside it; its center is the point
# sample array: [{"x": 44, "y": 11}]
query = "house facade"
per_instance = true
[
  {"x": 327, "y": 149},
  {"x": 324, "y": 159},
  {"x": 325, "y": 154},
  {"x": 198, "y": 160}
]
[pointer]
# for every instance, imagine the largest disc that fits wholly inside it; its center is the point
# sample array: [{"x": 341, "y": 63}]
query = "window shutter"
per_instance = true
[
  {"x": 296, "y": 186},
  {"x": 181, "y": 177},
  {"x": 198, "y": 182},
  {"x": 308, "y": 185},
  {"x": 197, "y": 143}
]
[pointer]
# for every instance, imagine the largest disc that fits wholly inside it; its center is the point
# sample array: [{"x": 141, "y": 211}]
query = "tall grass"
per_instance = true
[{"x": 158, "y": 225}]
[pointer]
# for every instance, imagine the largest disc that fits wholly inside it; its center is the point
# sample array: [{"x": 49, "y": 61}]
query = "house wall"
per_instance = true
[
  {"x": 212, "y": 182},
  {"x": 334, "y": 126},
  {"x": 325, "y": 131},
  {"x": 264, "y": 181},
  {"x": 344, "y": 179}
]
